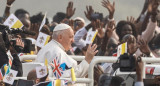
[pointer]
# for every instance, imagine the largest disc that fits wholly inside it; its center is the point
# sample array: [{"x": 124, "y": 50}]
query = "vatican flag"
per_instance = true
[
  {"x": 91, "y": 35},
  {"x": 122, "y": 49},
  {"x": 43, "y": 21},
  {"x": 13, "y": 22},
  {"x": 42, "y": 39}
]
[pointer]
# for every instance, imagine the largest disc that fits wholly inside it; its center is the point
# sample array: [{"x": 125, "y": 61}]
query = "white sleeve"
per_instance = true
[
  {"x": 139, "y": 84},
  {"x": 148, "y": 34},
  {"x": 80, "y": 43},
  {"x": 81, "y": 70}
]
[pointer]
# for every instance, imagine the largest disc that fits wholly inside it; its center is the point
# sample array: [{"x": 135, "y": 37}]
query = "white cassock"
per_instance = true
[{"x": 53, "y": 49}]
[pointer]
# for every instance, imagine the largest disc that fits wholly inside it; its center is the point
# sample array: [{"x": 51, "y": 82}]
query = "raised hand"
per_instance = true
[
  {"x": 139, "y": 68},
  {"x": 35, "y": 28},
  {"x": 143, "y": 46},
  {"x": 99, "y": 26},
  {"x": 19, "y": 42},
  {"x": 70, "y": 10},
  {"x": 131, "y": 19},
  {"x": 9, "y": 2},
  {"x": 110, "y": 7},
  {"x": 110, "y": 29},
  {"x": 91, "y": 52},
  {"x": 88, "y": 12},
  {"x": 152, "y": 8}
]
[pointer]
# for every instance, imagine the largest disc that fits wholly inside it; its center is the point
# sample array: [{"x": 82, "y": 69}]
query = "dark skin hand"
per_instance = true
[
  {"x": 143, "y": 46},
  {"x": 35, "y": 28},
  {"x": 10, "y": 2},
  {"x": 99, "y": 26},
  {"x": 152, "y": 9},
  {"x": 110, "y": 7},
  {"x": 131, "y": 19},
  {"x": 70, "y": 10},
  {"x": 151, "y": 13},
  {"x": 110, "y": 28},
  {"x": 108, "y": 34},
  {"x": 143, "y": 10},
  {"x": 89, "y": 12},
  {"x": 139, "y": 68},
  {"x": 7, "y": 9}
]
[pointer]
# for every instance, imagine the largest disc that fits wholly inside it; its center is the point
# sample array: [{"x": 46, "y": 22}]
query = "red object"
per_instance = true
[
  {"x": 1, "y": 76},
  {"x": 114, "y": 54},
  {"x": 149, "y": 70},
  {"x": 56, "y": 69}
]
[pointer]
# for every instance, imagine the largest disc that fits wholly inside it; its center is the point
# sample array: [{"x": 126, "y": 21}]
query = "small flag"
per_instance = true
[
  {"x": 43, "y": 22},
  {"x": 13, "y": 22},
  {"x": 9, "y": 78},
  {"x": 4, "y": 69},
  {"x": 57, "y": 70},
  {"x": 42, "y": 39},
  {"x": 122, "y": 49},
  {"x": 73, "y": 75},
  {"x": 150, "y": 70},
  {"x": 41, "y": 71},
  {"x": 91, "y": 36},
  {"x": 10, "y": 61}
]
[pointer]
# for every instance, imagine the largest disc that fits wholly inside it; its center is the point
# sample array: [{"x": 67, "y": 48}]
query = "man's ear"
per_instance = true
[{"x": 60, "y": 37}]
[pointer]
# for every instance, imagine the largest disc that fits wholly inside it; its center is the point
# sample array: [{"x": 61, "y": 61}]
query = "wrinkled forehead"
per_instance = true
[{"x": 70, "y": 31}]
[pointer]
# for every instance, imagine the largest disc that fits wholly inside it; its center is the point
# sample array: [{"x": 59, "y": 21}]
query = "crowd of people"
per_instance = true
[{"x": 69, "y": 36}]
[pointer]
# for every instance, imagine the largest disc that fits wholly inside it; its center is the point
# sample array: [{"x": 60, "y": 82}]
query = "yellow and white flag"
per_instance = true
[
  {"x": 91, "y": 36},
  {"x": 122, "y": 49},
  {"x": 13, "y": 22},
  {"x": 9, "y": 78},
  {"x": 42, "y": 39},
  {"x": 43, "y": 21},
  {"x": 41, "y": 71}
]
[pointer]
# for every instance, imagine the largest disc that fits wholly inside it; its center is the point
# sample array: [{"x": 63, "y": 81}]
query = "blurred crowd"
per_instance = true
[{"x": 68, "y": 36}]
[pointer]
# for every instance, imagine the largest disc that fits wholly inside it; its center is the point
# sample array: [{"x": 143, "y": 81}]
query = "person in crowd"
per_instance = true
[
  {"x": 139, "y": 71},
  {"x": 4, "y": 48},
  {"x": 62, "y": 42},
  {"x": 78, "y": 23},
  {"x": 33, "y": 76}
]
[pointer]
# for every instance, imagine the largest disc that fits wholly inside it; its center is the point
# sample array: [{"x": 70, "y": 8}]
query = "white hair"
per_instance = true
[{"x": 56, "y": 33}]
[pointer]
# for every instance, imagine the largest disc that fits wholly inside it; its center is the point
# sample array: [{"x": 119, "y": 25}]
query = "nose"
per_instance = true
[{"x": 72, "y": 40}]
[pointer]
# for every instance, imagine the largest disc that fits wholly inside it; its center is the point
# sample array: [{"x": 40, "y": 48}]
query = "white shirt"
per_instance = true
[
  {"x": 78, "y": 38},
  {"x": 54, "y": 49}
]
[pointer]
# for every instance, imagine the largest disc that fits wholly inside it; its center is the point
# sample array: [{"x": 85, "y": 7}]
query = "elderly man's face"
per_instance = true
[{"x": 67, "y": 39}]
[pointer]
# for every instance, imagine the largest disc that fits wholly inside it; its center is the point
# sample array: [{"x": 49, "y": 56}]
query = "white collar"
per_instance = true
[{"x": 58, "y": 44}]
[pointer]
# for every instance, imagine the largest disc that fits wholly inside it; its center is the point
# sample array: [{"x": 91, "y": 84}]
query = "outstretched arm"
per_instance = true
[
  {"x": 110, "y": 7},
  {"x": 7, "y": 9}
]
